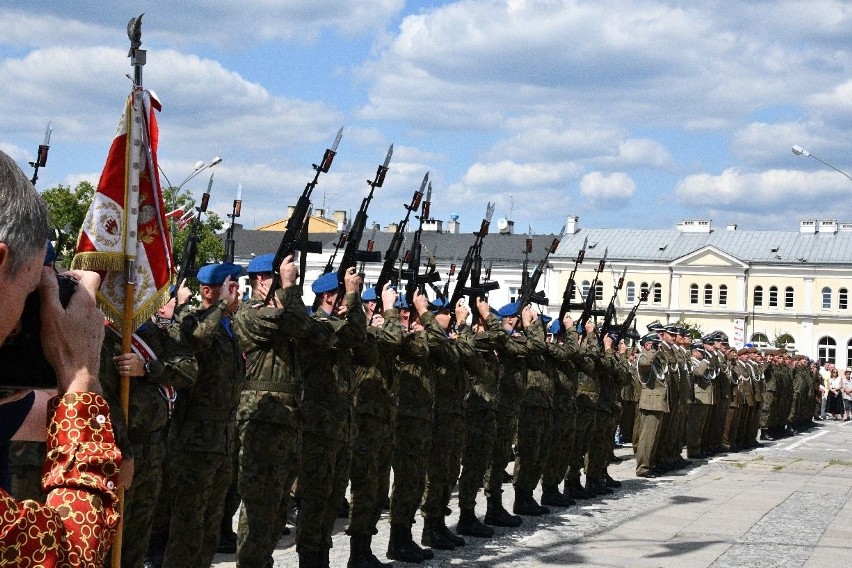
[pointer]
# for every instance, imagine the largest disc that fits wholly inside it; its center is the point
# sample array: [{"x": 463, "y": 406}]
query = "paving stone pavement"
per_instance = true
[{"x": 784, "y": 504}]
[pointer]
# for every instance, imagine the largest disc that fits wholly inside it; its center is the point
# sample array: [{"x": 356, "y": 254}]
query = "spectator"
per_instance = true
[
  {"x": 834, "y": 402},
  {"x": 76, "y": 524},
  {"x": 846, "y": 392}
]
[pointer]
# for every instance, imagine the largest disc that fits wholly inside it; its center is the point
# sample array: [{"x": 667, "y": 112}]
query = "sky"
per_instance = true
[{"x": 635, "y": 113}]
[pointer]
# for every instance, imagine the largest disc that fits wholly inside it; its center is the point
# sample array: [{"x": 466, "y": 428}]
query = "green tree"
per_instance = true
[
  {"x": 67, "y": 208},
  {"x": 693, "y": 329}
]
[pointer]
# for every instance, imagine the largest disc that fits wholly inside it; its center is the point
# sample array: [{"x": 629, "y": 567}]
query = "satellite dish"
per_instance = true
[{"x": 502, "y": 223}]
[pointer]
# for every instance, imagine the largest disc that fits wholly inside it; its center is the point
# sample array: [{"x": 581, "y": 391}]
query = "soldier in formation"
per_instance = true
[{"x": 444, "y": 397}]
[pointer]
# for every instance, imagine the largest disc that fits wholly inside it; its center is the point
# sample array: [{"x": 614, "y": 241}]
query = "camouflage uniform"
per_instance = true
[
  {"x": 480, "y": 413},
  {"x": 513, "y": 377},
  {"x": 268, "y": 423},
  {"x": 202, "y": 437},
  {"x": 416, "y": 380},
  {"x": 328, "y": 350},
  {"x": 442, "y": 469},
  {"x": 560, "y": 358},
  {"x": 588, "y": 392},
  {"x": 143, "y": 439},
  {"x": 375, "y": 413},
  {"x": 535, "y": 419},
  {"x": 613, "y": 373}
]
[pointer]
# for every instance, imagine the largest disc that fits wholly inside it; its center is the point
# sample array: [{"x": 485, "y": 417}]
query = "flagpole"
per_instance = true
[{"x": 134, "y": 163}]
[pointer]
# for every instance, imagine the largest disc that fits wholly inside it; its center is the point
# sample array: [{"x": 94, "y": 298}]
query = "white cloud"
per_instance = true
[
  {"x": 790, "y": 190},
  {"x": 597, "y": 186},
  {"x": 508, "y": 172},
  {"x": 225, "y": 24}
]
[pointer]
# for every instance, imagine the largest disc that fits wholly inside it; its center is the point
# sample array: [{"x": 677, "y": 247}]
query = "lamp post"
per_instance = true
[
  {"x": 199, "y": 167},
  {"x": 799, "y": 151}
]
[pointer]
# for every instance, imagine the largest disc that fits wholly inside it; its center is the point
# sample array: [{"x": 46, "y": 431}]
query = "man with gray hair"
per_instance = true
[{"x": 78, "y": 520}]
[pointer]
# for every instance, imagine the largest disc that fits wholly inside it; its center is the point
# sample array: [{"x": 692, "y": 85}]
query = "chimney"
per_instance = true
[
  {"x": 290, "y": 209},
  {"x": 809, "y": 227},
  {"x": 339, "y": 217},
  {"x": 391, "y": 228},
  {"x": 731, "y": 226},
  {"x": 453, "y": 226},
  {"x": 320, "y": 213},
  {"x": 572, "y": 225},
  {"x": 828, "y": 226}
]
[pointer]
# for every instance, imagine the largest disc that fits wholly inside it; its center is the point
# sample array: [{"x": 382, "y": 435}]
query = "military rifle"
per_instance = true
[
  {"x": 528, "y": 292},
  {"x": 625, "y": 330},
  {"x": 412, "y": 272},
  {"x": 467, "y": 283},
  {"x": 568, "y": 294},
  {"x": 41, "y": 155},
  {"x": 389, "y": 272},
  {"x": 589, "y": 303},
  {"x": 341, "y": 242},
  {"x": 609, "y": 323},
  {"x": 190, "y": 247},
  {"x": 351, "y": 254},
  {"x": 292, "y": 241},
  {"x": 229, "y": 234}
]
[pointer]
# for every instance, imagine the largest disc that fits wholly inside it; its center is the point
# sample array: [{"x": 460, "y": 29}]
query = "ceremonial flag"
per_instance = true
[{"x": 127, "y": 218}]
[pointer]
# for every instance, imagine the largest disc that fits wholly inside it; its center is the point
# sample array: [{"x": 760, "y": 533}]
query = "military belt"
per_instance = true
[
  {"x": 271, "y": 386},
  {"x": 211, "y": 415},
  {"x": 145, "y": 438}
]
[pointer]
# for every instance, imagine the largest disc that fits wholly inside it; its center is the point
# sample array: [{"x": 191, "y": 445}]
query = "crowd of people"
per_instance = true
[{"x": 250, "y": 405}]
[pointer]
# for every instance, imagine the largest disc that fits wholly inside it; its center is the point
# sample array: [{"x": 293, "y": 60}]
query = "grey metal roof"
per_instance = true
[
  {"x": 765, "y": 247},
  {"x": 770, "y": 247},
  {"x": 446, "y": 247}
]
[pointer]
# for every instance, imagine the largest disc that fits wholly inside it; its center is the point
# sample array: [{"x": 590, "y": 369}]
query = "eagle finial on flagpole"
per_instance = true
[{"x": 134, "y": 33}]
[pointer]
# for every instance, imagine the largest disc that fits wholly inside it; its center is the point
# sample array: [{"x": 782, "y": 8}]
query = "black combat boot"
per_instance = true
[
  {"x": 469, "y": 525},
  {"x": 597, "y": 487},
  {"x": 551, "y": 496},
  {"x": 434, "y": 537},
  {"x": 450, "y": 535},
  {"x": 575, "y": 490},
  {"x": 497, "y": 516},
  {"x": 360, "y": 554},
  {"x": 526, "y": 505},
  {"x": 610, "y": 482},
  {"x": 323, "y": 558},
  {"x": 402, "y": 547}
]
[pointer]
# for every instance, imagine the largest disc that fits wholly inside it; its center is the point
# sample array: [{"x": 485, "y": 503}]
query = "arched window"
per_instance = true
[
  {"x": 586, "y": 285},
  {"x": 843, "y": 299},
  {"x": 599, "y": 291},
  {"x": 826, "y": 298},
  {"x": 827, "y": 350},
  {"x": 786, "y": 341},
  {"x": 708, "y": 294},
  {"x": 758, "y": 296},
  {"x": 723, "y": 295},
  {"x": 658, "y": 293},
  {"x": 693, "y": 293},
  {"x": 788, "y": 297},
  {"x": 643, "y": 288},
  {"x": 849, "y": 353},
  {"x": 759, "y": 340},
  {"x": 773, "y": 296},
  {"x": 631, "y": 292}
]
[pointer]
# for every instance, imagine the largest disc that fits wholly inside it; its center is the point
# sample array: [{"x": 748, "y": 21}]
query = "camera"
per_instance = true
[{"x": 22, "y": 362}]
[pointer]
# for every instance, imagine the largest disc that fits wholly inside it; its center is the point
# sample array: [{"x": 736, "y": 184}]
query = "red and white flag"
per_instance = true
[{"x": 127, "y": 217}]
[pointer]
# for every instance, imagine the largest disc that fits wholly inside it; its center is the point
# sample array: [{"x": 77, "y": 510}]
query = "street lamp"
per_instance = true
[
  {"x": 799, "y": 151},
  {"x": 199, "y": 167}
]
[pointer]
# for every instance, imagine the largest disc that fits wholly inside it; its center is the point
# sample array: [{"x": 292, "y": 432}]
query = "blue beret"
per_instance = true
[
  {"x": 439, "y": 304},
  {"x": 215, "y": 274},
  {"x": 262, "y": 263},
  {"x": 369, "y": 295},
  {"x": 545, "y": 319},
  {"x": 325, "y": 283},
  {"x": 401, "y": 303},
  {"x": 509, "y": 310},
  {"x": 554, "y": 327},
  {"x": 50, "y": 254}
]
